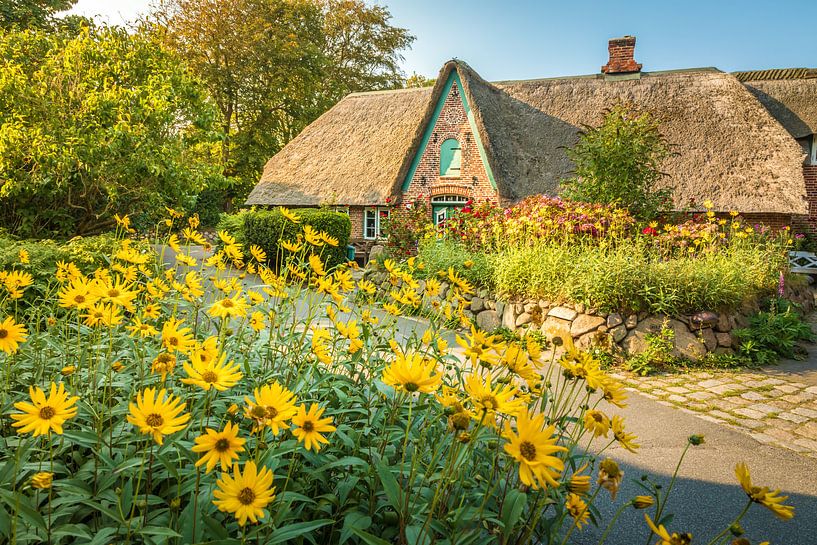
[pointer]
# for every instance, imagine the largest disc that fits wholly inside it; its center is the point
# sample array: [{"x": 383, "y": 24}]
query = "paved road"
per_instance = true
[{"x": 706, "y": 495}]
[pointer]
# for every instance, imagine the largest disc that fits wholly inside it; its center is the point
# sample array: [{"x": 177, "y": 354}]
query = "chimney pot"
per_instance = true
[{"x": 622, "y": 61}]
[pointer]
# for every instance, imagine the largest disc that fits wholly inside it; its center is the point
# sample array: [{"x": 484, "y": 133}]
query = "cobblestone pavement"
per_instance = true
[{"x": 770, "y": 409}]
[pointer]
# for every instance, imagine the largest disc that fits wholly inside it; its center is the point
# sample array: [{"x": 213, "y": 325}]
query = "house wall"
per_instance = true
[
  {"x": 473, "y": 181},
  {"x": 356, "y": 219},
  {"x": 809, "y": 222}
]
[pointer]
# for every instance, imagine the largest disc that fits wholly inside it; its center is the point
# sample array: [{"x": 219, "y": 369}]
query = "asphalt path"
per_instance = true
[{"x": 706, "y": 496}]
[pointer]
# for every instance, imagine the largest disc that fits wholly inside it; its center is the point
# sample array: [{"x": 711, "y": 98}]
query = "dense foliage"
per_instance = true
[
  {"x": 148, "y": 405},
  {"x": 273, "y": 66},
  {"x": 279, "y": 237},
  {"x": 405, "y": 227},
  {"x": 598, "y": 256},
  {"x": 619, "y": 162},
  {"x": 94, "y": 124},
  {"x": 774, "y": 334},
  {"x": 21, "y": 14}
]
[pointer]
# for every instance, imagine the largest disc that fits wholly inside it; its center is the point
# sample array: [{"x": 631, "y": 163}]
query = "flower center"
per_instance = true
[
  {"x": 209, "y": 376},
  {"x": 113, "y": 293},
  {"x": 173, "y": 341},
  {"x": 308, "y": 426},
  {"x": 46, "y": 413},
  {"x": 597, "y": 417},
  {"x": 259, "y": 412},
  {"x": 222, "y": 445},
  {"x": 490, "y": 403},
  {"x": 154, "y": 420},
  {"x": 4, "y": 333},
  {"x": 79, "y": 299},
  {"x": 271, "y": 412},
  {"x": 411, "y": 387},
  {"x": 227, "y": 303},
  {"x": 246, "y": 496},
  {"x": 527, "y": 450}
]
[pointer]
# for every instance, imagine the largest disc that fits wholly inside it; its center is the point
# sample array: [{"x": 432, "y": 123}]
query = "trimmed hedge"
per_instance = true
[{"x": 267, "y": 227}]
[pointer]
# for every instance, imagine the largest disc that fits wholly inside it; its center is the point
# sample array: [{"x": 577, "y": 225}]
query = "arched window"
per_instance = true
[{"x": 450, "y": 157}]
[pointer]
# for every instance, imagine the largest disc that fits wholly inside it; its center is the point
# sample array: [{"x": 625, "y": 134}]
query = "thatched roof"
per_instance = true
[
  {"x": 351, "y": 155},
  {"x": 727, "y": 146},
  {"x": 789, "y": 94}
]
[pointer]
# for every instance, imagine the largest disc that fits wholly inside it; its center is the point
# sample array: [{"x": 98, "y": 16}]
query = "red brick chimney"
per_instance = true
[{"x": 621, "y": 56}]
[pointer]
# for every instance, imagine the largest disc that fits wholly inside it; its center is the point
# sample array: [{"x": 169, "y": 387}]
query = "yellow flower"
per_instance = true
[
  {"x": 490, "y": 400},
  {"x": 533, "y": 446},
  {"x": 579, "y": 483},
  {"x": 643, "y": 502},
  {"x": 626, "y": 440},
  {"x": 480, "y": 347},
  {"x": 258, "y": 321},
  {"x": 157, "y": 413},
  {"x": 577, "y": 509},
  {"x": 392, "y": 309},
  {"x": 317, "y": 265},
  {"x": 229, "y": 307},
  {"x": 114, "y": 292},
  {"x": 102, "y": 314},
  {"x": 433, "y": 287},
  {"x": 771, "y": 500},
  {"x": 188, "y": 260},
  {"x": 344, "y": 280},
  {"x": 226, "y": 238},
  {"x": 708, "y": 204},
  {"x": 176, "y": 338},
  {"x": 142, "y": 329},
  {"x": 44, "y": 414},
  {"x": 215, "y": 373},
  {"x": 412, "y": 373},
  {"x": 42, "y": 480},
  {"x": 320, "y": 336},
  {"x": 191, "y": 235},
  {"x": 597, "y": 422},
  {"x": 351, "y": 332},
  {"x": 163, "y": 364},
  {"x": 173, "y": 242},
  {"x": 68, "y": 370},
  {"x": 665, "y": 537},
  {"x": 289, "y": 214},
  {"x": 151, "y": 311},
  {"x": 291, "y": 246},
  {"x": 245, "y": 495},
  {"x": 610, "y": 476},
  {"x": 258, "y": 253},
  {"x": 122, "y": 221},
  {"x": 613, "y": 392},
  {"x": 310, "y": 426},
  {"x": 468, "y": 264},
  {"x": 219, "y": 447},
  {"x": 23, "y": 256},
  {"x": 272, "y": 406},
  {"x": 581, "y": 365},
  {"x": 11, "y": 335},
  {"x": 312, "y": 237},
  {"x": 16, "y": 282},
  {"x": 328, "y": 239}
]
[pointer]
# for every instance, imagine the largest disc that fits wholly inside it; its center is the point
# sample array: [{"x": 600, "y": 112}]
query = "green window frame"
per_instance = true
[{"x": 450, "y": 157}]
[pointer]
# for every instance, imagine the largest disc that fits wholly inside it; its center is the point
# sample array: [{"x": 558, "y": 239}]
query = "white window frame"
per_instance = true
[
  {"x": 450, "y": 199},
  {"x": 376, "y": 210},
  {"x": 813, "y": 149}
]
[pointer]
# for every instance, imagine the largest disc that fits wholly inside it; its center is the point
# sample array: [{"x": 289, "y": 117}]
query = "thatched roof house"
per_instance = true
[{"x": 468, "y": 138}]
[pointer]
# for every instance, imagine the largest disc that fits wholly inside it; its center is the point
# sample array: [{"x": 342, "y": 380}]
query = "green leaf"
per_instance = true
[
  {"x": 511, "y": 510},
  {"x": 21, "y": 504},
  {"x": 354, "y": 521},
  {"x": 291, "y": 531},
  {"x": 390, "y": 486},
  {"x": 158, "y": 531},
  {"x": 368, "y": 538}
]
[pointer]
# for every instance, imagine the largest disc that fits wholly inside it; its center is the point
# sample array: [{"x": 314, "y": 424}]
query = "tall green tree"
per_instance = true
[
  {"x": 98, "y": 123},
  {"x": 31, "y": 13},
  {"x": 619, "y": 162},
  {"x": 273, "y": 66}
]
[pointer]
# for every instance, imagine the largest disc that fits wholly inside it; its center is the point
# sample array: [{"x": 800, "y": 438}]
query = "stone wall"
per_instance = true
[{"x": 695, "y": 335}]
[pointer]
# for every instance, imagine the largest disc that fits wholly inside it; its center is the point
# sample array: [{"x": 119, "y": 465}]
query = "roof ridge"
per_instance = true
[{"x": 776, "y": 74}]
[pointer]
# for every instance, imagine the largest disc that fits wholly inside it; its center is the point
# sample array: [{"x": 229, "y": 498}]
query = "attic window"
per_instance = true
[{"x": 450, "y": 157}]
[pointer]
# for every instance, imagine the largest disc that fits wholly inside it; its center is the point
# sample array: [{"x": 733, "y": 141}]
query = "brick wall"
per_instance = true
[
  {"x": 473, "y": 180},
  {"x": 356, "y": 219},
  {"x": 809, "y": 222}
]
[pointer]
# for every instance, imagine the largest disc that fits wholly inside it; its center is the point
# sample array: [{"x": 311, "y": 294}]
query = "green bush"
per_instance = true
[
  {"x": 234, "y": 225},
  {"x": 209, "y": 207},
  {"x": 774, "y": 334},
  {"x": 629, "y": 274},
  {"x": 87, "y": 253},
  {"x": 442, "y": 254},
  {"x": 266, "y": 228}
]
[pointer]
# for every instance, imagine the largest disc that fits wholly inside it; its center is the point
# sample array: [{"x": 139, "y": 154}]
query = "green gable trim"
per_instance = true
[{"x": 454, "y": 77}]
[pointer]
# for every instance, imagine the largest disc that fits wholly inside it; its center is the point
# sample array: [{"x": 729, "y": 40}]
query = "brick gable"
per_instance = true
[{"x": 473, "y": 181}]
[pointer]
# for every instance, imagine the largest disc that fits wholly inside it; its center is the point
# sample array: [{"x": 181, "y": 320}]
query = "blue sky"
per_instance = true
[{"x": 518, "y": 39}]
